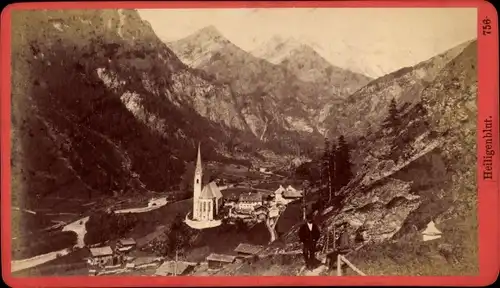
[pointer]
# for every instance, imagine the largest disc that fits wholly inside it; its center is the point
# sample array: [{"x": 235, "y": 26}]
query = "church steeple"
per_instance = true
[
  {"x": 198, "y": 176},
  {"x": 198, "y": 162}
]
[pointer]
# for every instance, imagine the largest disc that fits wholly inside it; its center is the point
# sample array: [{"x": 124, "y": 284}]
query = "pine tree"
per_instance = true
[
  {"x": 177, "y": 237},
  {"x": 392, "y": 119},
  {"x": 325, "y": 165},
  {"x": 343, "y": 163},
  {"x": 333, "y": 180}
]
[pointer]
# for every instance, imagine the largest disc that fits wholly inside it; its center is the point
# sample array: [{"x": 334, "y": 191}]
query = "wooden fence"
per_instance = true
[{"x": 341, "y": 259}]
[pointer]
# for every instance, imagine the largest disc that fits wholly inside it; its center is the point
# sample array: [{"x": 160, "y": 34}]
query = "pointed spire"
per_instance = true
[{"x": 198, "y": 160}]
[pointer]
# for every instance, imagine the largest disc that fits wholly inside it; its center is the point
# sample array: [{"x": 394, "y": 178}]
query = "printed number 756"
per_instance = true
[{"x": 486, "y": 26}]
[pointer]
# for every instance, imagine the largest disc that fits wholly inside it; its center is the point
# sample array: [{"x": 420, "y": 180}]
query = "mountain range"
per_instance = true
[
  {"x": 309, "y": 66},
  {"x": 277, "y": 88}
]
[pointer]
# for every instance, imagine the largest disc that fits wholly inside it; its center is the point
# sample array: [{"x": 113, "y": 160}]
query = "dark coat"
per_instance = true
[
  {"x": 309, "y": 237},
  {"x": 344, "y": 241}
]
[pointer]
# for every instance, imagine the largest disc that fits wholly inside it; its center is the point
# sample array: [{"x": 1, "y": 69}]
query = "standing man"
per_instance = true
[
  {"x": 344, "y": 241},
  {"x": 309, "y": 235}
]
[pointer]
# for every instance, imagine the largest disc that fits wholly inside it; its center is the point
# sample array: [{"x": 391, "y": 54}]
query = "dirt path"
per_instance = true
[
  {"x": 17, "y": 265},
  {"x": 79, "y": 228}
]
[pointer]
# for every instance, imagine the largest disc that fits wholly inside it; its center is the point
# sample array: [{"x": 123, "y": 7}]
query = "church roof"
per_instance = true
[{"x": 210, "y": 191}]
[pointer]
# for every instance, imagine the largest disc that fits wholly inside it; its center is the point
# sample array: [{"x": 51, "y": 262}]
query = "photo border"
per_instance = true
[{"x": 488, "y": 201}]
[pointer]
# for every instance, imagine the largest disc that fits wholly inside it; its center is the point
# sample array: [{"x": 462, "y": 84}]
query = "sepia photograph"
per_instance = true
[{"x": 244, "y": 142}]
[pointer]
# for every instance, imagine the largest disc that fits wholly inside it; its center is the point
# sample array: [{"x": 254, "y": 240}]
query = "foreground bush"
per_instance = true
[
  {"x": 41, "y": 244},
  {"x": 105, "y": 226}
]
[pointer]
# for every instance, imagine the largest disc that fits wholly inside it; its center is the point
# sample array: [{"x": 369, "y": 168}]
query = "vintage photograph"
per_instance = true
[{"x": 244, "y": 142}]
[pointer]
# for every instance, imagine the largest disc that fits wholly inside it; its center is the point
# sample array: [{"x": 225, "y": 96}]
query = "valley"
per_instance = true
[{"x": 107, "y": 119}]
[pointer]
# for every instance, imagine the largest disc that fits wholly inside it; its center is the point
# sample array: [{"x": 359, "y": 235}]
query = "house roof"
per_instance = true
[
  {"x": 248, "y": 249},
  {"x": 210, "y": 191},
  {"x": 170, "y": 267},
  {"x": 431, "y": 230},
  {"x": 292, "y": 192},
  {"x": 127, "y": 242},
  {"x": 279, "y": 190},
  {"x": 101, "y": 251},
  {"x": 221, "y": 258},
  {"x": 251, "y": 197},
  {"x": 145, "y": 260},
  {"x": 123, "y": 249}
]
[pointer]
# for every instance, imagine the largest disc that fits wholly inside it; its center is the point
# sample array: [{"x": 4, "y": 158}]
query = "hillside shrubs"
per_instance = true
[
  {"x": 41, "y": 244},
  {"x": 104, "y": 226}
]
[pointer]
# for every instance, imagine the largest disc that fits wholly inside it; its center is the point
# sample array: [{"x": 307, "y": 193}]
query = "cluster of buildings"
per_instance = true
[
  {"x": 111, "y": 257},
  {"x": 213, "y": 262},
  {"x": 260, "y": 206},
  {"x": 117, "y": 258},
  {"x": 208, "y": 201}
]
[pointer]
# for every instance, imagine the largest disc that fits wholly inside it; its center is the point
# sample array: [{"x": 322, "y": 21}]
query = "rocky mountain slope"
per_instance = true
[
  {"x": 364, "y": 110},
  {"x": 272, "y": 99},
  {"x": 419, "y": 170},
  {"x": 101, "y": 106},
  {"x": 304, "y": 62}
]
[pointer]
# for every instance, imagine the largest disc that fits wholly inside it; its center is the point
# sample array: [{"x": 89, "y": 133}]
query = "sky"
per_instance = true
[{"x": 373, "y": 41}]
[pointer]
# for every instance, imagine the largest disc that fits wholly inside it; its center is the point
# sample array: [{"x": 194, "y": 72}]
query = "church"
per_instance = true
[{"x": 207, "y": 201}]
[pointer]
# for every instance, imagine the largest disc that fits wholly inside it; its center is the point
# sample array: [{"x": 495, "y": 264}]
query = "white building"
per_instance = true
[
  {"x": 431, "y": 232},
  {"x": 206, "y": 201},
  {"x": 278, "y": 194},
  {"x": 291, "y": 192},
  {"x": 249, "y": 201}
]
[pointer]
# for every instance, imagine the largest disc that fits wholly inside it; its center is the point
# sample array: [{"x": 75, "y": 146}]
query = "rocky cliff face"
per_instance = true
[
  {"x": 272, "y": 100},
  {"x": 363, "y": 111},
  {"x": 102, "y": 106},
  {"x": 304, "y": 62},
  {"x": 420, "y": 170}
]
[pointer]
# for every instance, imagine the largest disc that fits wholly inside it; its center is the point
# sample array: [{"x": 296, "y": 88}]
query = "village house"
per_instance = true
[
  {"x": 245, "y": 250},
  {"x": 173, "y": 268},
  {"x": 229, "y": 203},
  {"x": 217, "y": 261},
  {"x": 125, "y": 245},
  {"x": 101, "y": 256},
  {"x": 431, "y": 232},
  {"x": 249, "y": 201},
  {"x": 291, "y": 193},
  {"x": 278, "y": 194},
  {"x": 146, "y": 261}
]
